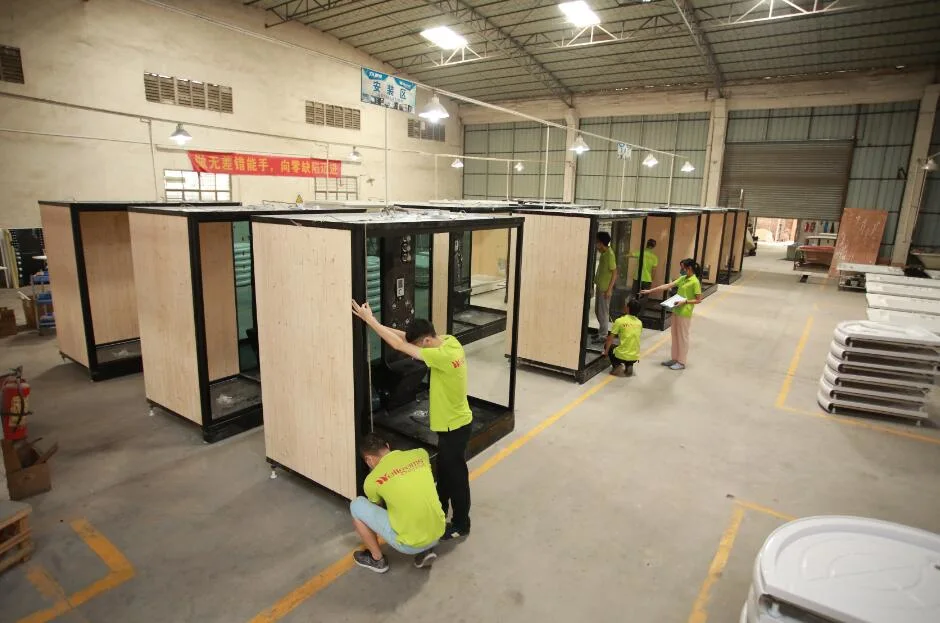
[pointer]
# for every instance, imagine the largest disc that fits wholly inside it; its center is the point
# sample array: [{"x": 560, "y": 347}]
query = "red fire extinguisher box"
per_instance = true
[{"x": 27, "y": 468}]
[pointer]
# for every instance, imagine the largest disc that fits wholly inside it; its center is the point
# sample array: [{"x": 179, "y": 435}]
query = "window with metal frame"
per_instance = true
[
  {"x": 185, "y": 92},
  {"x": 336, "y": 188},
  {"x": 11, "y": 65},
  {"x": 418, "y": 128},
  {"x": 195, "y": 186},
  {"x": 333, "y": 116}
]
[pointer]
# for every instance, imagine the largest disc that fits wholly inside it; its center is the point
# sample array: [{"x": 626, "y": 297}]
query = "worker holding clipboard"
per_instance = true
[{"x": 689, "y": 294}]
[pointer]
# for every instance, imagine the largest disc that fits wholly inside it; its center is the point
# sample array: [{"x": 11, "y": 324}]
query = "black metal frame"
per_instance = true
[
  {"x": 362, "y": 389},
  {"x": 585, "y": 370},
  {"x": 101, "y": 371},
  {"x": 248, "y": 417},
  {"x": 729, "y": 275}
]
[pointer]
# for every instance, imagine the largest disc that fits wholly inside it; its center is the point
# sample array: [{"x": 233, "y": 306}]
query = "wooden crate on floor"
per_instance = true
[{"x": 16, "y": 543}]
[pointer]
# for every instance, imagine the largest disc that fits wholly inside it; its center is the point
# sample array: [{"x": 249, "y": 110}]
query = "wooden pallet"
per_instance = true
[{"x": 16, "y": 543}]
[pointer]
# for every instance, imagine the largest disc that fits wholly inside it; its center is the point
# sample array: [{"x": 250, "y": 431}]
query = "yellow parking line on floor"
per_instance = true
[
  {"x": 699, "y": 612},
  {"x": 751, "y": 506},
  {"x": 336, "y": 570},
  {"x": 794, "y": 363},
  {"x": 781, "y": 402},
  {"x": 120, "y": 568}
]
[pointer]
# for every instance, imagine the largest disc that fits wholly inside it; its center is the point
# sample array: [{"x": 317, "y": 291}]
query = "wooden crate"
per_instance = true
[{"x": 16, "y": 543}]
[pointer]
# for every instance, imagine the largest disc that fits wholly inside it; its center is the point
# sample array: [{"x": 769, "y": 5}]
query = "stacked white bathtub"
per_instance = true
[{"x": 879, "y": 368}]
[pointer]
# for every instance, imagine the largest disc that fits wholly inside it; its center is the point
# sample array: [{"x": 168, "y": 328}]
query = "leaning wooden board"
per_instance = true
[{"x": 860, "y": 234}]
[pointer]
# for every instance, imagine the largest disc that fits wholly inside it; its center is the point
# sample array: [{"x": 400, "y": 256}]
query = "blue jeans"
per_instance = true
[{"x": 376, "y": 518}]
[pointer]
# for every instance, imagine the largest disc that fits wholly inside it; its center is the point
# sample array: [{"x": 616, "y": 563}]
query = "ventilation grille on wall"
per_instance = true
[
  {"x": 426, "y": 131},
  {"x": 191, "y": 93},
  {"x": 11, "y": 65},
  {"x": 319, "y": 113}
]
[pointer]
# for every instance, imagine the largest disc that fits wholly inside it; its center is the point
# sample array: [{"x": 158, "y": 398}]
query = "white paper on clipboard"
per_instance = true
[{"x": 672, "y": 301}]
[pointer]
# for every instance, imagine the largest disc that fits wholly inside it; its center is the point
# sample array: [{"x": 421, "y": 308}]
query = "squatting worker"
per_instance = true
[
  {"x": 449, "y": 409},
  {"x": 690, "y": 288},
  {"x": 605, "y": 277},
  {"x": 627, "y": 329},
  {"x": 411, "y": 521},
  {"x": 650, "y": 262}
]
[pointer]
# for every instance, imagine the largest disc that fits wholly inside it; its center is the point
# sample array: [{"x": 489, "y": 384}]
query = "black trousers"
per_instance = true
[
  {"x": 453, "y": 477},
  {"x": 614, "y": 361}
]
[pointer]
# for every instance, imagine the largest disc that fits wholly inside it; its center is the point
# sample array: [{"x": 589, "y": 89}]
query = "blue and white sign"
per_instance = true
[
  {"x": 387, "y": 90},
  {"x": 623, "y": 151}
]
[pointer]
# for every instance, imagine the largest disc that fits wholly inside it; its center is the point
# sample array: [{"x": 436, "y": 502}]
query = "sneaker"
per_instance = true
[
  {"x": 365, "y": 560},
  {"x": 629, "y": 371},
  {"x": 451, "y": 533},
  {"x": 669, "y": 363},
  {"x": 677, "y": 366},
  {"x": 618, "y": 371},
  {"x": 425, "y": 559}
]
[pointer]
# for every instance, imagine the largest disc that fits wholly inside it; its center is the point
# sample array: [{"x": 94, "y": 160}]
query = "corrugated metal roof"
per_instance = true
[{"x": 522, "y": 42}]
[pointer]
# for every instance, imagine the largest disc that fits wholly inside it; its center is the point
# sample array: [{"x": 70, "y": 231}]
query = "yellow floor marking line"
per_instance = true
[
  {"x": 120, "y": 568},
  {"x": 794, "y": 363},
  {"x": 317, "y": 583},
  {"x": 751, "y": 506},
  {"x": 699, "y": 612},
  {"x": 48, "y": 588}
]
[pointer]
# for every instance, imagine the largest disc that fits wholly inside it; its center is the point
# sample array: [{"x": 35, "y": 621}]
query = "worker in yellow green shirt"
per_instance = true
[
  {"x": 604, "y": 279},
  {"x": 449, "y": 408},
  {"x": 400, "y": 505},
  {"x": 627, "y": 329},
  {"x": 689, "y": 287},
  {"x": 649, "y": 264}
]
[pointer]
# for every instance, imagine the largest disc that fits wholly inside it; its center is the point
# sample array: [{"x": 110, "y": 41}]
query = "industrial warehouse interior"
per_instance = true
[{"x": 293, "y": 290}]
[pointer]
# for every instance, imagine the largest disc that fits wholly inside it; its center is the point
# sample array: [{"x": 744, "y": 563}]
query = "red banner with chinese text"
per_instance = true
[{"x": 250, "y": 164}]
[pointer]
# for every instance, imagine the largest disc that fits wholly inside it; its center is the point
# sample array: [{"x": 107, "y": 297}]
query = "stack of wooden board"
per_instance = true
[{"x": 880, "y": 368}]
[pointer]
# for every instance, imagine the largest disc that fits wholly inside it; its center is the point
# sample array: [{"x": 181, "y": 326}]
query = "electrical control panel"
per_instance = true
[{"x": 398, "y": 281}]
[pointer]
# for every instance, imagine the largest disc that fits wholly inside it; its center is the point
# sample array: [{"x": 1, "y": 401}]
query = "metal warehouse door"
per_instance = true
[{"x": 794, "y": 179}]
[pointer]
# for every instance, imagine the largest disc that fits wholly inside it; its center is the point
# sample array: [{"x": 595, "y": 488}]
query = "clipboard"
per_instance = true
[{"x": 673, "y": 301}]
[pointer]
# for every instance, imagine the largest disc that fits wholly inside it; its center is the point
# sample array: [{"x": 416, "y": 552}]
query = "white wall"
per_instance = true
[{"x": 95, "y": 53}]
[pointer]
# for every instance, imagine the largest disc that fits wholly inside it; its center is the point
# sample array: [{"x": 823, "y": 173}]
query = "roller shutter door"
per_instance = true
[{"x": 788, "y": 180}]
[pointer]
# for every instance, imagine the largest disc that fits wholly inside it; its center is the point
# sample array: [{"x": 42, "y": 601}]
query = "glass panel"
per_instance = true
[
  {"x": 225, "y": 196},
  {"x": 190, "y": 196},
  {"x": 374, "y": 292},
  {"x": 222, "y": 181},
  {"x": 247, "y": 334},
  {"x": 190, "y": 180},
  {"x": 423, "y": 276},
  {"x": 207, "y": 181},
  {"x": 174, "y": 195},
  {"x": 207, "y": 196}
]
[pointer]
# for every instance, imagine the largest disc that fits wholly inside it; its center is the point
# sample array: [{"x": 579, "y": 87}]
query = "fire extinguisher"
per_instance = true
[{"x": 14, "y": 404}]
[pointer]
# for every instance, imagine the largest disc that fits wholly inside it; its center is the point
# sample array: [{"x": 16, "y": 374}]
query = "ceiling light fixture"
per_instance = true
[
  {"x": 650, "y": 161},
  {"x": 457, "y": 163},
  {"x": 519, "y": 167},
  {"x": 444, "y": 38},
  {"x": 180, "y": 136},
  {"x": 579, "y": 146},
  {"x": 579, "y": 13},
  {"x": 434, "y": 111},
  {"x": 687, "y": 167},
  {"x": 930, "y": 165},
  {"x": 354, "y": 155}
]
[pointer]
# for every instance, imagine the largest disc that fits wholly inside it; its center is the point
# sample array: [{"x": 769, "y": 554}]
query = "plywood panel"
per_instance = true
[
  {"x": 860, "y": 233},
  {"x": 551, "y": 296},
  {"x": 160, "y": 249},
  {"x": 218, "y": 293},
  {"x": 490, "y": 251},
  {"x": 657, "y": 228},
  {"x": 303, "y": 289},
  {"x": 738, "y": 250},
  {"x": 63, "y": 277},
  {"x": 683, "y": 245},
  {"x": 440, "y": 282},
  {"x": 106, "y": 242},
  {"x": 716, "y": 225}
]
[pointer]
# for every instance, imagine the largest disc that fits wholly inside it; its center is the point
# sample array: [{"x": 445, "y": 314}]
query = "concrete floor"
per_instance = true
[{"x": 613, "y": 512}]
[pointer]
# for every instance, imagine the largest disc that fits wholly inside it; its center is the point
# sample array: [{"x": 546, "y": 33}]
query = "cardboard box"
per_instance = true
[
  {"x": 7, "y": 322},
  {"x": 27, "y": 468},
  {"x": 29, "y": 311}
]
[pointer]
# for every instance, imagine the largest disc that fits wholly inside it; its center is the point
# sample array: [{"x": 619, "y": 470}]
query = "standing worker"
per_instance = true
[
  {"x": 650, "y": 262},
  {"x": 449, "y": 408},
  {"x": 690, "y": 288},
  {"x": 604, "y": 280}
]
